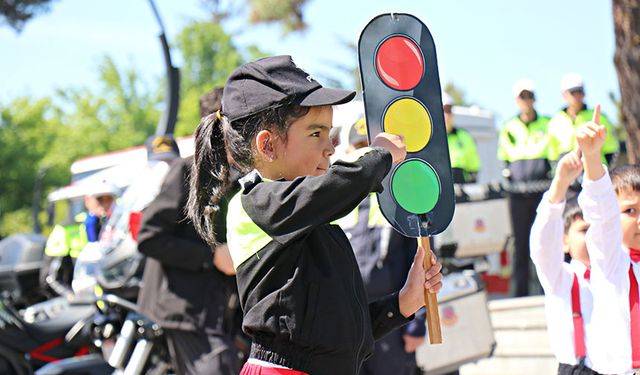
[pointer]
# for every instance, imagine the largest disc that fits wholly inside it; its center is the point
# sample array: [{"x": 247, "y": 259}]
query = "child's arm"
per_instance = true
[
  {"x": 548, "y": 228},
  {"x": 286, "y": 209},
  {"x": 599, "y": 204}
]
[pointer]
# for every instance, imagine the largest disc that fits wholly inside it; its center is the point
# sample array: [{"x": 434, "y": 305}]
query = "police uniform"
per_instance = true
[
  {"x": 64, "y": 244},
  {"x": 562, "y": 128},
  {"x": 567, "y": 289},
  {"x": 182, "y": 290},
  {"x": 384, "y": 258},
  {"x": 527, "y": 149},
  {"x": 465, "y": 162}
]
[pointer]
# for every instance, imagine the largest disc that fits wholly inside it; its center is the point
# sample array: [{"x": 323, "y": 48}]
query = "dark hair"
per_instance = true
[
  {"x": 572, "y": 212},
  {"x": 626, "y": 177},
  {"x": 219, "y": 145},
  {"x": 211, "y": 102}
]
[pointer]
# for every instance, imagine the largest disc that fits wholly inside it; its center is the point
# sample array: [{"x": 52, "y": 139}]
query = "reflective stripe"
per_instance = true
[
  {"x": 244, "y": 237},
  {"x": 375, "y": 214},
  {"x": 348, "y": 221},
  {"x": 519, "y": 141}
]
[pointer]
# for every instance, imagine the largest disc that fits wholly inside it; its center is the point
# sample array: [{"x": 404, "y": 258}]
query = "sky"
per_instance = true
[{"x": 483, "y": 47}]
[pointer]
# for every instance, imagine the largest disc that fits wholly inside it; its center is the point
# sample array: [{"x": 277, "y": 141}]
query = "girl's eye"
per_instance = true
[{"x": 630, "y": 211}]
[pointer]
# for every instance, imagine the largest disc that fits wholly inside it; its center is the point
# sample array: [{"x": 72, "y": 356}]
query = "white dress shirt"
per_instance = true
[
  {"x": 556, "y": 277},
  {"x": 609, "y": 277}
]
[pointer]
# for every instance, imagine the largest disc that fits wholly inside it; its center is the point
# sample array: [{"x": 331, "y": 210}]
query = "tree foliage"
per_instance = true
[
  {"x": 287, "y": 13},
  {"x": 16, "y": 13},
  {"x": 208, "y": 56}
]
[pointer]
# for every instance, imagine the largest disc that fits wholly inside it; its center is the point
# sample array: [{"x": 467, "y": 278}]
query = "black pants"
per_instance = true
[
  {"x": 523, "y": 211},
  {"x": 201, "y": 354},
  {"x": 564, "y": 369},
  {"x": 389, "y": 357}
]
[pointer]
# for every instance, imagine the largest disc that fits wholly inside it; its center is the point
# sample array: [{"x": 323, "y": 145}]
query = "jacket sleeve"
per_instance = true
[
  {"x": 159, "y": 235},
  {"x": 287, "y": 209},
  {"x": 545, "y": 243},
  {"x": 604, "y": 236},
  {"x": 385, "y": 315}
]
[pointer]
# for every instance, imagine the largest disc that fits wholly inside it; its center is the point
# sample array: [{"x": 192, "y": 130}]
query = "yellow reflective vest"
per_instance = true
[
  {"x": 562, "y": 129},
  {"x": 67, "y": 239},
  {"x": 463, "y": 152}
]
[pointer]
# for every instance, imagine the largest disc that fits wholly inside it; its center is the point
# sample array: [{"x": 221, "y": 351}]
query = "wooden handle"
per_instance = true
[{"x": 430, "y": 299}]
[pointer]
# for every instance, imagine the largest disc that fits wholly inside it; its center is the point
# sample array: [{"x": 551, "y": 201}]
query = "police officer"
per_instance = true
[
  {"x": 526, "y": 148},
  {"x": 187, "y": 285},
  {"x": 465, "y": 162},
  {"x": 67, "y": 239},
  {"x": 563, "y": 124},
  {"x": 384, "y": 258}
]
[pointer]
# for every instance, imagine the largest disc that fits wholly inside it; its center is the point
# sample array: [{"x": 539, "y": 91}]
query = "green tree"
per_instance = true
[
  {"x": 122, "y": 113},
  {"x": 16, "y": 13},
  {"x": 288, "y": 13},
  {"x": 209, "y": 56},
  {"x": 27, "y": 133}
]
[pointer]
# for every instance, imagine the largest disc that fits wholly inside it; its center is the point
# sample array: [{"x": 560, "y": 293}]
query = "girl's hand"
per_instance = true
[
  {"x": 411, "y": 295},
  {"x": 392, "y": 143}
]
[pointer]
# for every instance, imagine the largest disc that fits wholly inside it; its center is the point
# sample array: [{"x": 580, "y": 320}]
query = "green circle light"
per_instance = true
[{"x": 415, "y": 186}]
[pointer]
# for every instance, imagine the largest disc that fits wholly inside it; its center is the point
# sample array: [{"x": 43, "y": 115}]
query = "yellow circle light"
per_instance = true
[{"x": 410, "y": 119}]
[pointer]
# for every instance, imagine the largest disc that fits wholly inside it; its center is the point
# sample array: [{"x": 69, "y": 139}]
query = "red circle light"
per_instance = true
[{"x": 399, "y": 63}]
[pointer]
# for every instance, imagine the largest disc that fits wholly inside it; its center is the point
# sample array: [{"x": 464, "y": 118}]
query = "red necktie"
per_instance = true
[
  {"x": 634, "y": 311},
  {"x": 587, "y": 274}
]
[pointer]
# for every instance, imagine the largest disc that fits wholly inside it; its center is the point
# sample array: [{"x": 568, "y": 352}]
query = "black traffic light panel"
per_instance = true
[{"x": 402, "y": 96}]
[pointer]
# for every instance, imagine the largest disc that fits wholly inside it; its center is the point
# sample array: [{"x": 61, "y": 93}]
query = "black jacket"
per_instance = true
[
  {"x": 303, "y": 299},
  {"x": 181, "y": 287}
]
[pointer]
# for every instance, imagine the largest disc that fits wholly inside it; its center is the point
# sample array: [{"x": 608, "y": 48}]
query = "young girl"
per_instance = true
[
  {"x": 558, "y": 228},
  {"x": 300, "y": 289},
  {"x": 611, "y": 205}
]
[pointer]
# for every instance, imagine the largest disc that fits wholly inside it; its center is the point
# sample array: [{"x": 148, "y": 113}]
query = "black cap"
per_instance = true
[
  {"x": 162, "y": 147},
  {"x": 271, "y": 82}
]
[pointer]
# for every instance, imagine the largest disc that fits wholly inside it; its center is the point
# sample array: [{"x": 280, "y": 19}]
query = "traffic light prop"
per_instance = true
[{"x": 402, "y": 96}]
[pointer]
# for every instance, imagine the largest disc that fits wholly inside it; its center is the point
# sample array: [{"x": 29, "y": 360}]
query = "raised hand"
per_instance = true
[
  {"x": 590, "y": 138},
  {"x": 569, "y": 167},
  {"x": 591, "y": 135}
]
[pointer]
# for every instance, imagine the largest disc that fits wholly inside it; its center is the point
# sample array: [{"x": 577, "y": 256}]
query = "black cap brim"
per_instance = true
[{"x": 327, "y": 96}]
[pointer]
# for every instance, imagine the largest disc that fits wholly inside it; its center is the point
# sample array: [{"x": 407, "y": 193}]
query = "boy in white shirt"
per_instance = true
[
  {"x": 611, "y": 205},
  {"x": 568, "y": 300}
]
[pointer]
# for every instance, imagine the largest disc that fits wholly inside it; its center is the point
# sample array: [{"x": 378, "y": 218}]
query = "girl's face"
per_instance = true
[
  {"x": 307, "y": 147},
  {"x": 629, "y": 202}
]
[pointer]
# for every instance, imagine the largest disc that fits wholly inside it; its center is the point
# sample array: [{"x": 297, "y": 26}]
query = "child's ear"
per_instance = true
[{"x": 264, "y": 144}]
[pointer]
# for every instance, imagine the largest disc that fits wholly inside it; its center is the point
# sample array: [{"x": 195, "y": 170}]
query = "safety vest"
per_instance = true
[
  {"x": 462, "y": 151},
  {"x": 562, "y": 128},
  {"x": 520, "y": 141},
  {"x": 374, "y": 219},
  {"x": 67, "y": 239}
]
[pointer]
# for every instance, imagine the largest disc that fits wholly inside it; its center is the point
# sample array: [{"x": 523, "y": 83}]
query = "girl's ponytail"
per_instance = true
[{"x": 209, "y": 176}]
